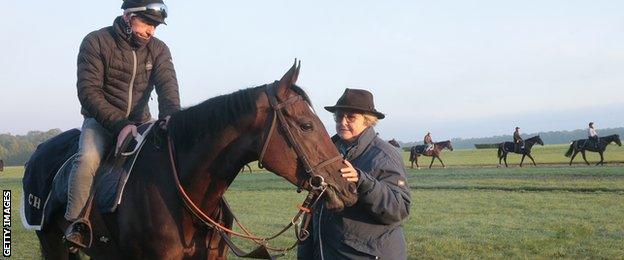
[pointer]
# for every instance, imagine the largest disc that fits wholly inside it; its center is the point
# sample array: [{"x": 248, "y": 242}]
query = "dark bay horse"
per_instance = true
[
  {"x": 580, "y": 146},
  {"x": 507, "y": 147},
  {"x": 394, "y": 143},
  {"x": 419, "y": 150},
  {"x": 207, "y": 145}
]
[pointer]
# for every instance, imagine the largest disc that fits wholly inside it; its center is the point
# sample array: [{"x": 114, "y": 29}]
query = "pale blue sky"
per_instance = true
[{"x": 456, "y": 68}]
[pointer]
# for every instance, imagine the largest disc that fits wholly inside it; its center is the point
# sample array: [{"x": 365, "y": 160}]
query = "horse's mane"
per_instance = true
[{"x": 210, "y": 117}]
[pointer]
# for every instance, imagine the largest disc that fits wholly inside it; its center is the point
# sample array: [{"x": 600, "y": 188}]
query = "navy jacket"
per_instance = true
[{"x": 372, "y": 228}]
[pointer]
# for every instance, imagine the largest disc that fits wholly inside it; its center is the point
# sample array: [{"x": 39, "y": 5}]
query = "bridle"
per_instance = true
[{"x": 316, "y": 182}]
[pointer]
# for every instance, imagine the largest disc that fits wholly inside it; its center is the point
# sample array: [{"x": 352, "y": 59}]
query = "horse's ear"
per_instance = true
[{"x": 289, "y": 79}]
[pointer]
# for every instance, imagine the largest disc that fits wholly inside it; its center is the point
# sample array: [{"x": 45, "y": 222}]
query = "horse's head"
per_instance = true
[
  {"x": 616, "y": 139},
  {"x": 294, "y": 143},
  {"x": 539, "y": 140},
  {"x": 449, "y": 145}
]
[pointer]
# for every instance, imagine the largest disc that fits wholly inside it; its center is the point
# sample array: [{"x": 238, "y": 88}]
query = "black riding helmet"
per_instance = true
[{"x": 154, "y": 11}]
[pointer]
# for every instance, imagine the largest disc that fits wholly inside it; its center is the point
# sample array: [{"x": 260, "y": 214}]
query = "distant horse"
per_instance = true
[
  {"x": 419, "y": 150},
  {"x": 581, "y": 146},
  {"x": 394, "y": 143},
  {"x": 1, "y": 165},
  {"x": 163, "y": 214},
  {"x": 506, "y": 147}
]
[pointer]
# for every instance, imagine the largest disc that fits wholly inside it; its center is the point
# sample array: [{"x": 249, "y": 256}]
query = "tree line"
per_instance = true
[
  {"x": 16, "y": 149},
  {"x": 551, "y": 137}
]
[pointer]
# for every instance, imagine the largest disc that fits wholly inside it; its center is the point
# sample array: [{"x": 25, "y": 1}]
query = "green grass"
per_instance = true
[
  {"x": 548, "y": 154},
  {"x": 469, "y": 212}
]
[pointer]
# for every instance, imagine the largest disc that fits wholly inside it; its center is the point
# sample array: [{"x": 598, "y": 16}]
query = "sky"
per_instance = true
[{"x": 455, "y": 68}]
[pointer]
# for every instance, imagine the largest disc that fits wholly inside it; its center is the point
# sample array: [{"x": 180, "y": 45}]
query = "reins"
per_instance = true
[{"x": 316, "y": 182}]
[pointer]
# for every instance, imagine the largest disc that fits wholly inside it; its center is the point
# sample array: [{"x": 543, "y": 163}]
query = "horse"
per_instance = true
[
  {"x": 1, "y": 165},
  {"x": 394, "y": 143},
  {"x": 418, "y": 150},
  {"x": 506, "y": 147},
  {"x": 182, "y": 172},
  {"x": 581, "y": 146}
]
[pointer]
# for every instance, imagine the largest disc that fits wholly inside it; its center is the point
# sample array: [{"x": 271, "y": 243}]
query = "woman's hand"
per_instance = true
[{"x": 349, "y": 172}]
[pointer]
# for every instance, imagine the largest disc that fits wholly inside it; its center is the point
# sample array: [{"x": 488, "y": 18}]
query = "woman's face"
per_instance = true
[{"x": 349, "y": 124}]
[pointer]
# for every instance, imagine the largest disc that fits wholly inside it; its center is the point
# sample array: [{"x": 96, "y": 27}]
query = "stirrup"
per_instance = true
[{"x": 75, "y": 235}]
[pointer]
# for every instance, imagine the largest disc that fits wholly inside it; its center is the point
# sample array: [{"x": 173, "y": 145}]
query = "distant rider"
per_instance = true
[
  {"x": 428, "y": 141},
  {"x": 517, "y": 139},
  {"x": 591, "y": 135}
]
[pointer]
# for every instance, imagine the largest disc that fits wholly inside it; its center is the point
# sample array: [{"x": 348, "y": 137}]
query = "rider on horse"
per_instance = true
[
  {"x": 118, "y": 66},
  {"x": 592, "y": 136},
  {"x": 518, "y": 140},
  {"x": 428, "y": 141}
]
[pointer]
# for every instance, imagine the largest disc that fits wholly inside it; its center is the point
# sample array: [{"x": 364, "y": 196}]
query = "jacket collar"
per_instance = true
[
  {"x": 353, "y": 150},
  {"x": 123, "y": 39}
]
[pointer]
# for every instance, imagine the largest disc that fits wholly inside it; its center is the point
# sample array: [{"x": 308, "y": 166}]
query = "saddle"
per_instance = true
[
  {"x": 589, "y": 143},
  {"x": 420, "y": 149},
  {"x": 512, "y": 147},
  {"x": 47, "y": 172}
]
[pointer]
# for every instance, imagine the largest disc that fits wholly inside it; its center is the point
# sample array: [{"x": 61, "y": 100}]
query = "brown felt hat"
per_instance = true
[{"x": 356, "y": 99}]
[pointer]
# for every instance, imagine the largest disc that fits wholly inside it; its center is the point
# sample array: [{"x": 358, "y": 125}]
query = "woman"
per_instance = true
[{"x": 372, "y": 228}]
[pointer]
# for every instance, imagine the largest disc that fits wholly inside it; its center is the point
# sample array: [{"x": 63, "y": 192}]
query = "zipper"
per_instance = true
[{"x": 134, "y": 69}]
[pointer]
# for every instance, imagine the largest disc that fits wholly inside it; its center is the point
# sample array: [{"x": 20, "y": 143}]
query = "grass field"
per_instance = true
[{"x": 466, "y": 211}]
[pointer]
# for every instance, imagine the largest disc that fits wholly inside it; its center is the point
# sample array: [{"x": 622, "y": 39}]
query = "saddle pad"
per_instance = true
[
  {"x": 40, "y": 169},
  {"x": 47, "y": 173},
  {"x": 420, "y": 149}
]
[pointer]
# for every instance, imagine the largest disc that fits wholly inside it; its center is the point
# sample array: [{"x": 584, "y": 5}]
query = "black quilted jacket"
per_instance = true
[{"x": 115, "y": 80}]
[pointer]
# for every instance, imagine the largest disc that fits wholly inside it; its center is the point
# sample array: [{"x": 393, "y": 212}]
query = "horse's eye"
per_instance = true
[{"x": 307, "y": 127}]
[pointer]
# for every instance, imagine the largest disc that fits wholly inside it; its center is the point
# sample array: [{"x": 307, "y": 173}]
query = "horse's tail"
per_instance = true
[
  {"x": 570, "y": 150},
  {"x": 500, "y": 150},
  {"x": 412, "y": 154}
]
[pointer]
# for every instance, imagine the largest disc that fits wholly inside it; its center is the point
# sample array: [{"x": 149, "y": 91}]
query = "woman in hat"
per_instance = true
[{"x": 372, "y": 228}]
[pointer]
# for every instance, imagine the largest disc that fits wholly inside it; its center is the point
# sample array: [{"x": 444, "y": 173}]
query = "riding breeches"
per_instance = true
[{"x": 93, "y": 143}]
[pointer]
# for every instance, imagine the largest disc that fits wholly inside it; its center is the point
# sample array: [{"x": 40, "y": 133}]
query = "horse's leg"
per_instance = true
[
  {"x": 601, "y": 162},
  {"x": 531, "y": 157},
  {"x": 573, "y": 155},
  {"x": 440, "y": 159},
  {"x": 416, "y": 160},
  {"x": 505, "y": 158},
  {"x": 522, "y": 160},
  {"x": 432, "y": 160},
  {"x": 584, "y": 158}
]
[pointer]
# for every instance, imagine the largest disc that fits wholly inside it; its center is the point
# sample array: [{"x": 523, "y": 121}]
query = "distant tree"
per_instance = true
[{"x": 16, "y": 149}]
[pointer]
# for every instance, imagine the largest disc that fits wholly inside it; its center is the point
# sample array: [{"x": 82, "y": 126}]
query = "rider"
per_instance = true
[
  {"x": 118, "y": 66},
  {"x": 517, "y": 139},
  {"x": 591, "y": 134},
  {"x": 428, "y": 141}
]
